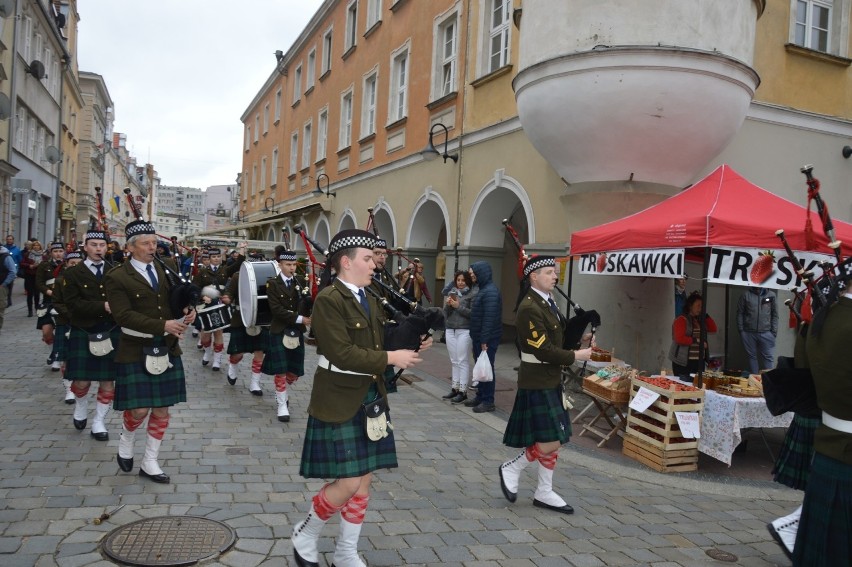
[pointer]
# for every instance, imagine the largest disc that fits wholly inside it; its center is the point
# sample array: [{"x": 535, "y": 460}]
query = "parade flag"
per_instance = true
[{"x": 114, "y": 205}]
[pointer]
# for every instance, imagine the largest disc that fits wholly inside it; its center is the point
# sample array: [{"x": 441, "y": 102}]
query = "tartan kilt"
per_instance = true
[
  {"x": 80, "y": 364},
  {"x": 241, "y": 341},
  {"x": 343, "y": 450},
  {"x": 279, "y": 359},
  {"x": 823, "y": 537},
  {"x": 135, "y": 388},
  {"x": 388, "y": 375},
  {"x": 537, "y": 416},
  {"x": 797, "y": 453},
  {"x": 60, "y": 342}
]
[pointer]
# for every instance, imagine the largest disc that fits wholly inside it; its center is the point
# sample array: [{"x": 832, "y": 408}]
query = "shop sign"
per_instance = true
[
  {"x": 67, "y": 212},
  {"x": 662, "y": 263},
  {"x": 210, "y": 242},
  {"x": 757, "y": 268}
]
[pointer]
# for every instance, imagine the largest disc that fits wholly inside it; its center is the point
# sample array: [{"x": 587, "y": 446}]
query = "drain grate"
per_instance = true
[{"x": 168, "y": 540}]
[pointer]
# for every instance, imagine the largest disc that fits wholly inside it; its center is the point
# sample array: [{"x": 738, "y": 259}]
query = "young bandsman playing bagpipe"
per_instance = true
[
  {"x": 285, "y": 356},
  {"x": 62, "y": 320},
  {"x": 93, "y": 336},
  {"x": 348, "y": 434},
  {"x": 539, "y": 422},
  {"x": 45, "y": 280}
]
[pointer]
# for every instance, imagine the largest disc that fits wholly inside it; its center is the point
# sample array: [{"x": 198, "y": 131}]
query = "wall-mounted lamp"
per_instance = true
[
  {"x": 847, "y": 151},
  {"x": 319, "y": 191},
  {"x": 241, "y": 216},
  {"x": 429, "y": 153},
  {"x": 269, "y": 206}
]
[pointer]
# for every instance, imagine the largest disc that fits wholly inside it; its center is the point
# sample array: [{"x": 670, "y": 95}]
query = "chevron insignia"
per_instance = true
[{"x": 538, "y": 343}]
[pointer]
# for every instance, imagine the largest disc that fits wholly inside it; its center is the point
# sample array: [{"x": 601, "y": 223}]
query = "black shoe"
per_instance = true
[
  {"x": 510, "y": 496},
  {"x": 161, "y": 478},
  {"x": 30, "y": 312},
  {"x": 483, "y": 407},
  {"x": 205, "y": 362},
  {"x": 301, "y": 562},
  {"x": 124, "y": 464},
  {"x": 232, "y": 381},
  {"x": 562, "y": 509},
  {"x": 80, "y": 424},
  {"x": 472, "y": 403},
  {"x": 453, "y": 393},
  {"x": 49, "y": 360},
  {"x": 283, "y": 418},
  {"x": 102, "y": 436},
  {"x": 256, "y": 392},
  {"x": 69, "y": 402},
  {"x": 460, "y": 397},
  {"x": 215, "y": 369}
]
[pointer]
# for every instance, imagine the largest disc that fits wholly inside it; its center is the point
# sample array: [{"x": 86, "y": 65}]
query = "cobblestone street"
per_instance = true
[{"x": 232, "y": 461}]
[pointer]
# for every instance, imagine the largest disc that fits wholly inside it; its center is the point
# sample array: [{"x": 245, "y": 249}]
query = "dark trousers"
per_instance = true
[{"x": 33, "y": 294}]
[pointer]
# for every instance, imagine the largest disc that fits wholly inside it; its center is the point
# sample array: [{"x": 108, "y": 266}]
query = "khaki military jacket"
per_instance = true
[
  {"x": 45, "y": 279},
  {"x": 63, "y": 315},
  {"x": 540, "y": 334},
  {"x": 135, "y": 305},
  {"x": 219, "y": 279},
  {"x": 284, "y": 303},
  {"x": 85, "y": 297},
  {"x": 830, "y": 361},
  {"x": 350, "y": 341}
]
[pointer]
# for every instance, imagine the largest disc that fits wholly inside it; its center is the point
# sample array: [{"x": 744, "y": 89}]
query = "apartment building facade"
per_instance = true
[
  {"x": 350, "y": 105},
  {"x": 72, "y": 113}
]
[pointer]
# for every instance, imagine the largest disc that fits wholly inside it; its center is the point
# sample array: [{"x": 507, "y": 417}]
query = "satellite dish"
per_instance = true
[
  {"x": 5, "y": 107},
  {"x": 51, "y": 154},
  {"x": 7, "y": 7},
  {"x": 36, "y": 69}
]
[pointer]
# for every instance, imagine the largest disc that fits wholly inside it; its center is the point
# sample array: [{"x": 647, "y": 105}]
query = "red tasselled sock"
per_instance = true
[
  {"x": 280, "y": 383},
  {"x": 355, "y": 509},
  {"x": 291, "y": 378},
  {"x": 157, "y": 426},
  {"x": 105, "y": 397},
  {"x": 130, "y": 422},
  {"x": 255, "y": 366},
  {"x": 324, "y": 508},
  {"x": 235, "y": 358},
  {"x": 79, "y": 391},
  {"x": 532, "y": 453},
  {"x": 218, "y": 347},
  {"x": 548, "y": 461}
]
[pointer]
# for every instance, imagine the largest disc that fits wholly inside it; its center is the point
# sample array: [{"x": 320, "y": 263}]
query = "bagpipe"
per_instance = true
[
  {"x": 305, "y": 304},
  {"x": 573, "y": 328},
  {"x": 792, "y": 389},
  {"x": 101, "y": 225},
  {"x": 183, "y": 293}
]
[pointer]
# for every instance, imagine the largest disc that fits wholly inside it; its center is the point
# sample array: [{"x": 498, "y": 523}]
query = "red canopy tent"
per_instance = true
[{"x": 723, "y": 209}]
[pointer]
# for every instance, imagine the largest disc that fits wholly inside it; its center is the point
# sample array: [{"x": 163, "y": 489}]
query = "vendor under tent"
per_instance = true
[{"x": 726, "y": 219}]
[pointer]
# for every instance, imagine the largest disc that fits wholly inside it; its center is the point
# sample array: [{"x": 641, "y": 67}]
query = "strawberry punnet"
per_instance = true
[{"x": 763, "y": 267}]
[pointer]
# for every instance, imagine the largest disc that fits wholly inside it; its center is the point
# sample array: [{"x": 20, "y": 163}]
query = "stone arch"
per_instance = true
[
  {"x": 385, "y": 223},
  {"x": 347, "y": 220},
  {"x": 429, "y": 212},
  {"x": 503, "y": 197},
  {"x": 322, "y": 231}
]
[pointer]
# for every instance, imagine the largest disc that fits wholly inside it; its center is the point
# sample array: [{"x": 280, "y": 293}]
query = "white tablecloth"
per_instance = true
[{"x": 724, "y": 417}]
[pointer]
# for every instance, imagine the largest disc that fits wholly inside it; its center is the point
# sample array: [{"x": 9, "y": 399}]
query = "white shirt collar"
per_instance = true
[
  {"x": 352, "y": 287},
  {"x": 139, "y": 265},
  {"x": 545, "y": 296}
]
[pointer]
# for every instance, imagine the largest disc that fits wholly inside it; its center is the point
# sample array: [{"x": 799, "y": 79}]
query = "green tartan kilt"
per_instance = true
[
  {"x": 797, "y": 453},
  {"x": 135, "y": 388},
  {"x": 537, "y": 417},
  {"x": 81, "y": 364},
  {"x": 60, "y": 342},
  {"x": 823, "y": 538},
  {"x": 279, "y": 359},
  {"x": 343, "y": 450},
  {"x": 243, "y": 342},
  {"x": 388, "y": 375}
]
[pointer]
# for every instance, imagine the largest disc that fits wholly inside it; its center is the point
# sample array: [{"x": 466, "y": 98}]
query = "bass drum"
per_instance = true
[{"x": 254, "y": 305}]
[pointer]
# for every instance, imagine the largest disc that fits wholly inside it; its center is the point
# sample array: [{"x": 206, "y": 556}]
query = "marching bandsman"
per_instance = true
[
  {"x": 149, "y": 375},
  {"x": 63, "y": 320},
  {"x": 213, "y": 279},
  {"x": 45, "y": 280},
  {"x": 285, "y": 356},
  {"x": 341, "y": 441},
  {"x": 93, "y": 335},
  {"x": 539, "y": 422},
  {"x": 380, "y": 273}
]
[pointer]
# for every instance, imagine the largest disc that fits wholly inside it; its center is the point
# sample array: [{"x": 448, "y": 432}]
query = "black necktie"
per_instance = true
[
  {"x": 363, "y": 299},
  {"x": 99, "y": 274},
  {"x": 287, "y": 283},
  {"x": 553, "y": 307},
  {"x": 154, "y": 284}
]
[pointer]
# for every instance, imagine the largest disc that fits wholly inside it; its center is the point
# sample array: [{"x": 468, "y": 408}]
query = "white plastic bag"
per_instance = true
[{"x": 482, "y": 369}]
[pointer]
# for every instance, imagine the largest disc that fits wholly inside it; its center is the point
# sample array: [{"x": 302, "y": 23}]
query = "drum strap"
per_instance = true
[
  {"x": 836, "y": 423},
  {"x": 323, "y": 362}
]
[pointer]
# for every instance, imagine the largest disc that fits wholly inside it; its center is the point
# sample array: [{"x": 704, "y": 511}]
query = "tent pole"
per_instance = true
[
  {"x": 570, "y": 275},
  {"x": 727, "y": 312},
  {"x": 702, "y": 318}
]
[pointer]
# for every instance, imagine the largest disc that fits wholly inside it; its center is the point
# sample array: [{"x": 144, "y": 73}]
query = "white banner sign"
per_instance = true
[
  {"x": 690, "y": 427},
  {"x": 643, "y": 399},
  {"x": 754, "y": 267},
  {"x": 664, "y": 263}
]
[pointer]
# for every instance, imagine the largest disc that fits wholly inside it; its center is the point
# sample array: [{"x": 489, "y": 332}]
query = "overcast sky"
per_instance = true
[{"x": 182, "y": 72}]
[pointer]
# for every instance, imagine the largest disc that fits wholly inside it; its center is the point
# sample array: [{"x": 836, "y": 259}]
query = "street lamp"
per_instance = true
[
  {"x": 429, "y": 153},
  {"x": 319, "y": 191},
  {"x": 269, "y": 207}
]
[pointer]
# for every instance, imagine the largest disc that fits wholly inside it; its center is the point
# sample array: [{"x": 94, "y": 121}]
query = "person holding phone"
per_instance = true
[{"x": 457, "y": 333}]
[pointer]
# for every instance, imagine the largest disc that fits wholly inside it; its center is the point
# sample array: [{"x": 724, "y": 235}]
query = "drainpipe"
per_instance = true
[{"x": 461, "y": 135}]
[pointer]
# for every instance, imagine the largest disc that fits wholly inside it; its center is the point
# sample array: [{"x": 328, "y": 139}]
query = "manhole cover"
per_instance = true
[
  {"x": 168, "y": 540},
  {"x": 720, "y": 555}
]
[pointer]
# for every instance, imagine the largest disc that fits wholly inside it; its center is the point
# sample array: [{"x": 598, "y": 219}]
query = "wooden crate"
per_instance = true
[
  {"x": 661, "y": 460},
  {"x": 598, "y": 387},
  {"x": 658, "y": 426}
]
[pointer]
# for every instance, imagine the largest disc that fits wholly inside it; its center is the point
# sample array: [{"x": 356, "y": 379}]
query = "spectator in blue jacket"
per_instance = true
[
  {"x": 486, "y": 328},
  {"x": 15, "y": 252}
]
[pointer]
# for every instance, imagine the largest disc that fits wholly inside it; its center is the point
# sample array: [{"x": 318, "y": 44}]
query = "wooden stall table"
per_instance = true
[{"x": 611, "y": 425}]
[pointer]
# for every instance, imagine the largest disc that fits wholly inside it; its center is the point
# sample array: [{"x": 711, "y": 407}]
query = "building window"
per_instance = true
[
  {"x": 374, "y": 12},
  {"x": 256, "y": 127},
  {"x": 248, "y": 137},
  {"x": 351, "y": 25},
  {"x": 813, "y": 24},
  {"x": 266, "y": 118},
  {"x": 278, "y": 105},
  {"x": 398, "y": 107},
  {"x": 294, "y": 152},
  {"x": 499, "y": 20},
  {"x": 345, "y": 120},
  {"x": 263, "y": 174},
  {"x": 273, "y": 175},
  {"x": 327, "y": 45},
  {"x": 306, "y": 145},
  {"x": 310, "y": 77},
  {"x": 322, "y": 134},
  {"x": 20, "y": 128},
  {"x": 446, "y": 50},
  {"x": 253, "y": 180},
  {"x": 26, "y": 38},
  {"x": 297, "y": 84},
  {"x": 368, "y": 105},
  {"x": 31, "y": 138}
]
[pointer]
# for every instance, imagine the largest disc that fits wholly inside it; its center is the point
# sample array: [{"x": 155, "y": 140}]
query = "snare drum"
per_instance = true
[
  {"x": 254, "y": 305},
  {"x": 215, "y": 317}
]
